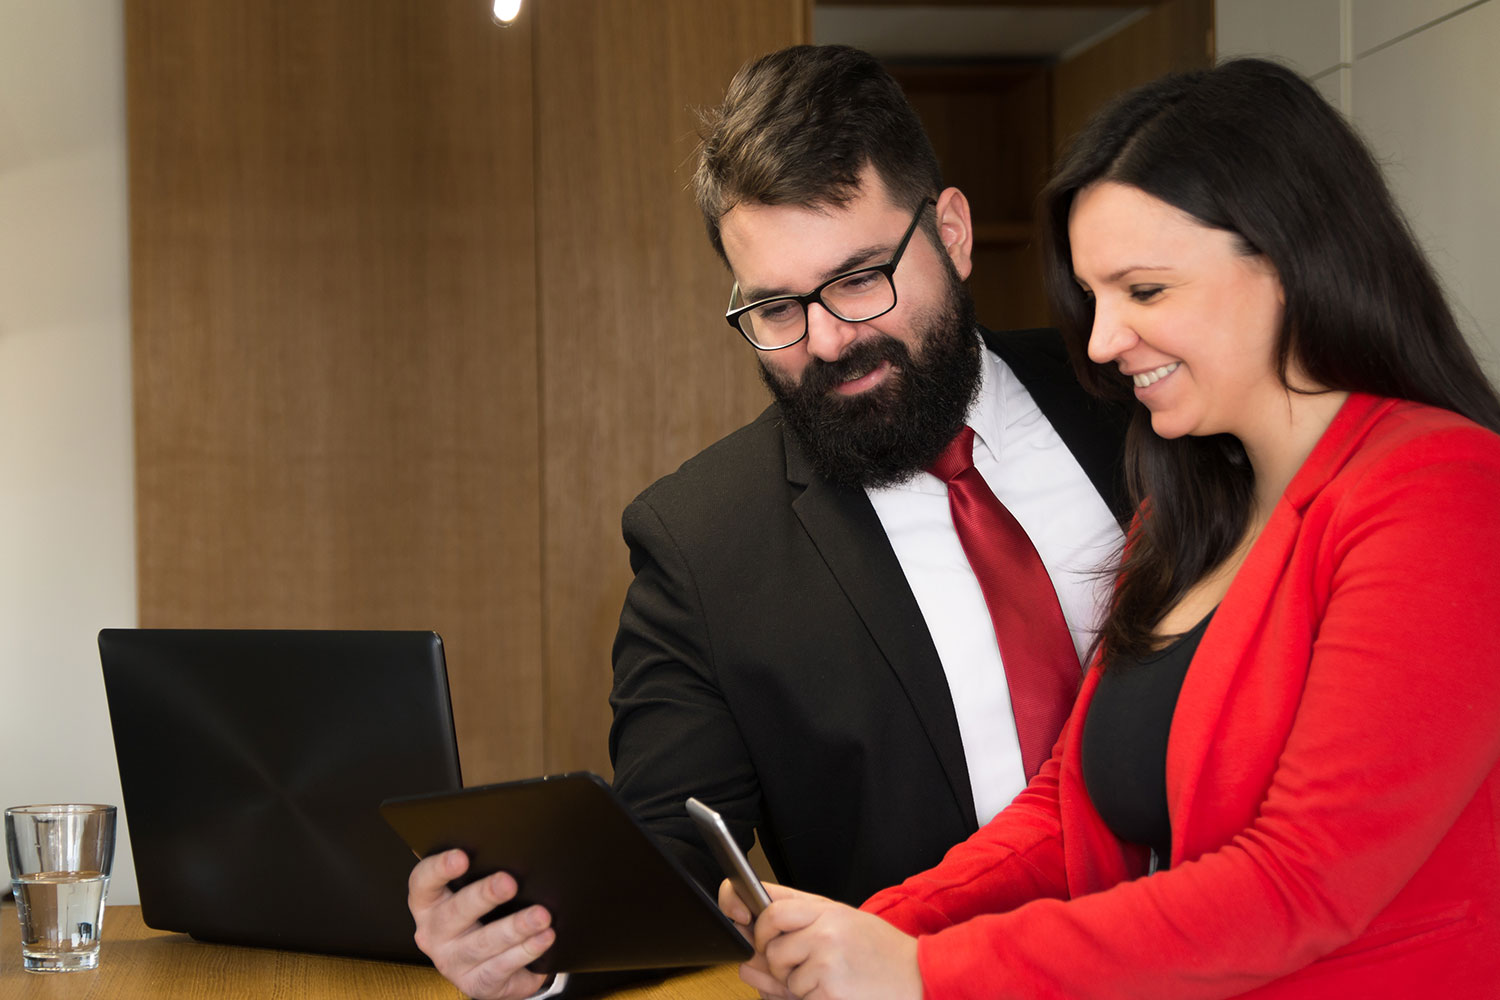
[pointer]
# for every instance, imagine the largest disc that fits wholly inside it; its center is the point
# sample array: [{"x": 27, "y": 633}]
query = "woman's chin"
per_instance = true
[{"x": 1166, "y": 425}]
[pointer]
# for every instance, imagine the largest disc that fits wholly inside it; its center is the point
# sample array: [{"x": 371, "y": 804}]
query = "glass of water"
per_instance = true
[{"x": 60, "y": 859}]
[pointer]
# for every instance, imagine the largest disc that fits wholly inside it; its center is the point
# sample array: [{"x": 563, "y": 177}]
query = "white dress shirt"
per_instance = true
[{"x": 1036, "y": 477}]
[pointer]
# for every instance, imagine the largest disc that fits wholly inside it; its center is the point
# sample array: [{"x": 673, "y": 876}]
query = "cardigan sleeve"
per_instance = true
[{"x": 1392, "y": 737}]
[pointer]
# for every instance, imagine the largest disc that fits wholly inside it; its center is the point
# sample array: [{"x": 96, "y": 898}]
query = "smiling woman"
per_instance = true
[
  {"x": 1187, "y": 312},
  {"x": 1278, "y": 778},
  {"x": 1250, "y": 183}
]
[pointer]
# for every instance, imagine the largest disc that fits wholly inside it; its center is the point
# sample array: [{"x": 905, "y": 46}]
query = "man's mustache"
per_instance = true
[{"x": 821, "y": 377}]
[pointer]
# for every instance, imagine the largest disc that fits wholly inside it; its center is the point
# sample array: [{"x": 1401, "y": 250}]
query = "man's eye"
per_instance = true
[
  {"x": 856, "y": 283},
  {"x": 776, "y": 312}
]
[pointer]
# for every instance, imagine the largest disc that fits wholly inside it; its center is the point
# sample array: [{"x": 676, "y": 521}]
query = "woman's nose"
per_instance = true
[{"x": 1109, "y": 337}]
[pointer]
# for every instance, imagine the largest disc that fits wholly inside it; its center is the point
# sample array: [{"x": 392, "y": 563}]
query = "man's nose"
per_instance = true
[{"x": 827, "y": 335}]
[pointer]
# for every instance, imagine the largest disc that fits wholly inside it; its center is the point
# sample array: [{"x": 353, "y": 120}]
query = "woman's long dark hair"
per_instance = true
[{"x": 1249, "y": 147}]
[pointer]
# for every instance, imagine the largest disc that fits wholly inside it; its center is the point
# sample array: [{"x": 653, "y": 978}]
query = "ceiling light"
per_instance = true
[{"x": 506, "y": 11}]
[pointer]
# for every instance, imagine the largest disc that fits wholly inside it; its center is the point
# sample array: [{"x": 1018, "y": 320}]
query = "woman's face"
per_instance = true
[{"x": 1180, "y": 309}]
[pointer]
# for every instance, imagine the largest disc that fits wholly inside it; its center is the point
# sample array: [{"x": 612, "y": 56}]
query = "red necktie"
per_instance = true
[{"x": 1041, "y": 665}]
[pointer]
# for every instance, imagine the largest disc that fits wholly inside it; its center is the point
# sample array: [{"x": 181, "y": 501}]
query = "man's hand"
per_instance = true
[
  {"x": 486, "y": 961},
  {"x": 806, "y": 945}
]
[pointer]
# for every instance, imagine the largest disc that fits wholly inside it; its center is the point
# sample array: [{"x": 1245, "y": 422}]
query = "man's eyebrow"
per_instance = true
[{"x": 859, "y": 258}]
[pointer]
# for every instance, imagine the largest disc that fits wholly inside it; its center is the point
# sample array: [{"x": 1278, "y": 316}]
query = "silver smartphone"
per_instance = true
[{"x": 746, "y": 885}]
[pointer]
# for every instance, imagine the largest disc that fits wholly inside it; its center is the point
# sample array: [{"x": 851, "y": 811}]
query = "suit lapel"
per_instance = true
[
  {"x": 1224, "y": 653},
  {"x": 1093, "y": 429},
  {"x": 848, "y": 535},
  {"x": 1199, "y": 720}
]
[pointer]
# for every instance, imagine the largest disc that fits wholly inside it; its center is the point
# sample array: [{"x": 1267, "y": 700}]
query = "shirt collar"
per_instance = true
[
  {"x": 986, "y": 415},
  {"x": 987, "y": 412}
]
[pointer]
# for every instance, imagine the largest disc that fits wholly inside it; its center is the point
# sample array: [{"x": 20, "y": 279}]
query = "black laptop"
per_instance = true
[{"x": 253, "y": 764}]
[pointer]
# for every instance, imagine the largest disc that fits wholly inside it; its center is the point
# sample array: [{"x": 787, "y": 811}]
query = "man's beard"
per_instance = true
[{"x": 887, "y": 434}]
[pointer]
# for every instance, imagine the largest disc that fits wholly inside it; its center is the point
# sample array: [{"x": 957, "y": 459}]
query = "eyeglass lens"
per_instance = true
[{"x": 853, "y": 298}]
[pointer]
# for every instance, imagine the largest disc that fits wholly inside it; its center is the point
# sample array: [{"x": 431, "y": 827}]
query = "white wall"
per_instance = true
[
  {"x": 1421, "y": 81},
  {"x": 67, "y": 537}
]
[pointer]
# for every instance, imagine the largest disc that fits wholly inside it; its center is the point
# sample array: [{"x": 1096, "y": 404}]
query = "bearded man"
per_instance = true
[{"x": 808, "y": 646}]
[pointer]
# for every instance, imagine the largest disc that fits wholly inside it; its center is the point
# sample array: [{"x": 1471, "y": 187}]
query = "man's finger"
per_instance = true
[
  {"x": 441, "y": 925},
  {"x": 504, "y": 975},
  {"x": 428, "y": 883},
  {"x": 486, "y": 942}
]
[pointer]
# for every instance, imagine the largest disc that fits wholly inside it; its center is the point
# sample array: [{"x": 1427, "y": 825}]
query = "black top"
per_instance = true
[{"x": 1125, "y": 742}]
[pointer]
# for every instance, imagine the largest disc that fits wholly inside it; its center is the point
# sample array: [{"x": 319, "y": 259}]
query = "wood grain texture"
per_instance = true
[
  {"x": 334, "y": 322},
  {"x": 639, "y": 370},
  {"x": 986, "y": 3},
  {"x": 137, "y": 963},
  {"x": 420, "y": 303},
  {"x": 1175, "y": 35},
  {"x": 990, "y": 124}
]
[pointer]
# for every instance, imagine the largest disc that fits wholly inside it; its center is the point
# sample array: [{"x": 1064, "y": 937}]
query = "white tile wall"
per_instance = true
[
  {"x": 67, "y": 514},
  {"x": 1376, "y": 22},
  {"x": 1336, "y": 88},
  {"x": 12, "y": 154},
  {"x": 1305, "y": 34},
  {"x": 1430, "y": 105}
]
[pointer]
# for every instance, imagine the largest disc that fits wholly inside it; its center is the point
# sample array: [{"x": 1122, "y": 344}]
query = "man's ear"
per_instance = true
[{"x": 956, "y": 230}]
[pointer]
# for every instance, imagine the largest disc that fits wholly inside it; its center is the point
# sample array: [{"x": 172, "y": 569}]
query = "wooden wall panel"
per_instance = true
[
  {"x": 639, "y": 371},
  {"x": 989, "y": 123},
  {"x": 981, "y": 3},
  {"x": 991, "y": 126},
  {"x": 334, "y": 315},
  {"x": 1176, "y": 35}
]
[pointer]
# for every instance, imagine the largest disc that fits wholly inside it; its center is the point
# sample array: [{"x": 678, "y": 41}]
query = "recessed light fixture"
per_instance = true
[{"x": 506, "y": 11}]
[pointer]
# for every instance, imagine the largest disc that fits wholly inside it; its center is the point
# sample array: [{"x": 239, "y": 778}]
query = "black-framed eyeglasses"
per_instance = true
[{"x": 856, "y": 296}]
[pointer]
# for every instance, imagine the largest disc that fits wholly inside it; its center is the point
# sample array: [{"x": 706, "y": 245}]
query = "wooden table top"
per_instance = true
[{"x": 138, "y": 963}]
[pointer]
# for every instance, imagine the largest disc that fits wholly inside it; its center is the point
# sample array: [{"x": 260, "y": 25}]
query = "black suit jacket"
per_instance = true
[{"x": 772, "y": 660}]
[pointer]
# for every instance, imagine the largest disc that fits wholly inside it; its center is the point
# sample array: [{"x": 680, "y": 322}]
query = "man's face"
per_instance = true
[{"x": 873, "y": 402}]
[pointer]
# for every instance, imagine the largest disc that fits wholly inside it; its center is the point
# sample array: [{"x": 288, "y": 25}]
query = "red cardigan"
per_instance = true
[{"x": 1332, "y": 769}]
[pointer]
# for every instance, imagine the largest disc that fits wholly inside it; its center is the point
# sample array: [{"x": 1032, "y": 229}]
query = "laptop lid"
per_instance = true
[{"x": 253, "y": 764}]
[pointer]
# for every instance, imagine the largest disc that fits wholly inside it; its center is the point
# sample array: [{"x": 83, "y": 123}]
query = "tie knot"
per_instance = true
[{"x": 957, "y": 458}]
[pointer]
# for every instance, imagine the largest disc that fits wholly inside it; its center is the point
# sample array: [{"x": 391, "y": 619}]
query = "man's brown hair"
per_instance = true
[{"x": 797, "y": 126}]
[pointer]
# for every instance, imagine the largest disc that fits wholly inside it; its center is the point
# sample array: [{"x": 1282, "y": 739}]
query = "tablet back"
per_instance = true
[
  {"x": 253, "y": 764},
  {"x": 618, "y": 901}
]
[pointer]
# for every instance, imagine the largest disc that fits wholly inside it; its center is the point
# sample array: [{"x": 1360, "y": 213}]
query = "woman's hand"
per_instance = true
[{"x": 809, "y": 946}]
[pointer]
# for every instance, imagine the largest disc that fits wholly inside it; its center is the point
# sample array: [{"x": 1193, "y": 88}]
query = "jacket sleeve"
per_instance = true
[
  {"x": 1392, "y": 736},
  {"x": 1015, "y": 858},
  {"x": 673, "y": 736}
]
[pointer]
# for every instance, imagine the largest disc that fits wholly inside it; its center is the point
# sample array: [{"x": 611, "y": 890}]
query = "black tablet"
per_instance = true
[{"x": 618, "y": 901}]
